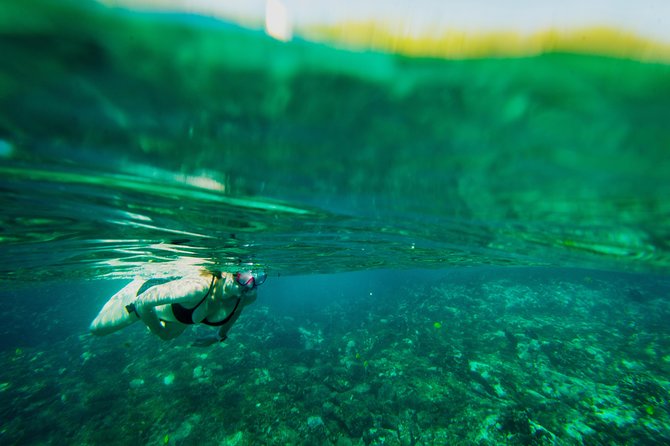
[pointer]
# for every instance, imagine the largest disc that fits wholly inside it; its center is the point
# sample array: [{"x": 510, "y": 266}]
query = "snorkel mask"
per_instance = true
[{"x": 250, "y": 279}]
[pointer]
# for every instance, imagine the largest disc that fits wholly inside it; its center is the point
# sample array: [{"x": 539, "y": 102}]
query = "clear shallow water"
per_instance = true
[
  {"x": 129, "y": 139},
  {"x": 151, "y": 144},
  {"x": 478, "y": 356}
]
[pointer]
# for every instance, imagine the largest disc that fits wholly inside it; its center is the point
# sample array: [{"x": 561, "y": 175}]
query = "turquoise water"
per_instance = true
[{"x": 460, "y": 252}]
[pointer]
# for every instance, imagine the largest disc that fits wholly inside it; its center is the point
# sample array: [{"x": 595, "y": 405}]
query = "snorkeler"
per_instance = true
[{"x": 168, "y": 306}]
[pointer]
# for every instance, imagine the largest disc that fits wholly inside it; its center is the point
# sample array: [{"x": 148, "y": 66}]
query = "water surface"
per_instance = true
[{"x": 132, "y": 138}]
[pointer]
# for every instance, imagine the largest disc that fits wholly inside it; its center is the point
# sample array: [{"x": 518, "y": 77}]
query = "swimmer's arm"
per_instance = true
[
  {"x": 220, "y": 336},
  {"x": 223, "y": 330},
  {"x": 222, "y": 333},
  {"x": 206, "y": 341},
  {"x": 162, "y": 330},
  {"x": 182, "y": 290}
]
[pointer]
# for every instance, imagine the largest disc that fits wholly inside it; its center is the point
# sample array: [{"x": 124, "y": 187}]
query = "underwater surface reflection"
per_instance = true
[{"x": 182, "y": 141}]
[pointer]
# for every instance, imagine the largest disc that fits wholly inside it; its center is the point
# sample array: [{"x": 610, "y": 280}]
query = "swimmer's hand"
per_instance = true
[{"x": 206, "y": 341}]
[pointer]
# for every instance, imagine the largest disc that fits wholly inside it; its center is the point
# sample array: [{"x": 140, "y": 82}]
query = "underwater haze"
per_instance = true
[{"x": 466, "y": 251}]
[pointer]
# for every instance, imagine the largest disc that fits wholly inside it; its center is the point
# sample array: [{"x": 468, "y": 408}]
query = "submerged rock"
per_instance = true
[
  {"x": 169, "y": 379},
  {"x": 136, "y": 383},
  {"x": 235, "y": 439},
  {"x": 314, "y": 423}
]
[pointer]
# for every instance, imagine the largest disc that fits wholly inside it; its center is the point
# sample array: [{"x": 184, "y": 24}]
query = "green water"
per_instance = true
[
  {"x": 150, "y": 144},
  {"x": 130, "y": 138}
]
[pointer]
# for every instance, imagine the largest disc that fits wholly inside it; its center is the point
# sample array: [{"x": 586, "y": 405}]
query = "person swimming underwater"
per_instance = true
[{"x": 168, "y": 306}]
